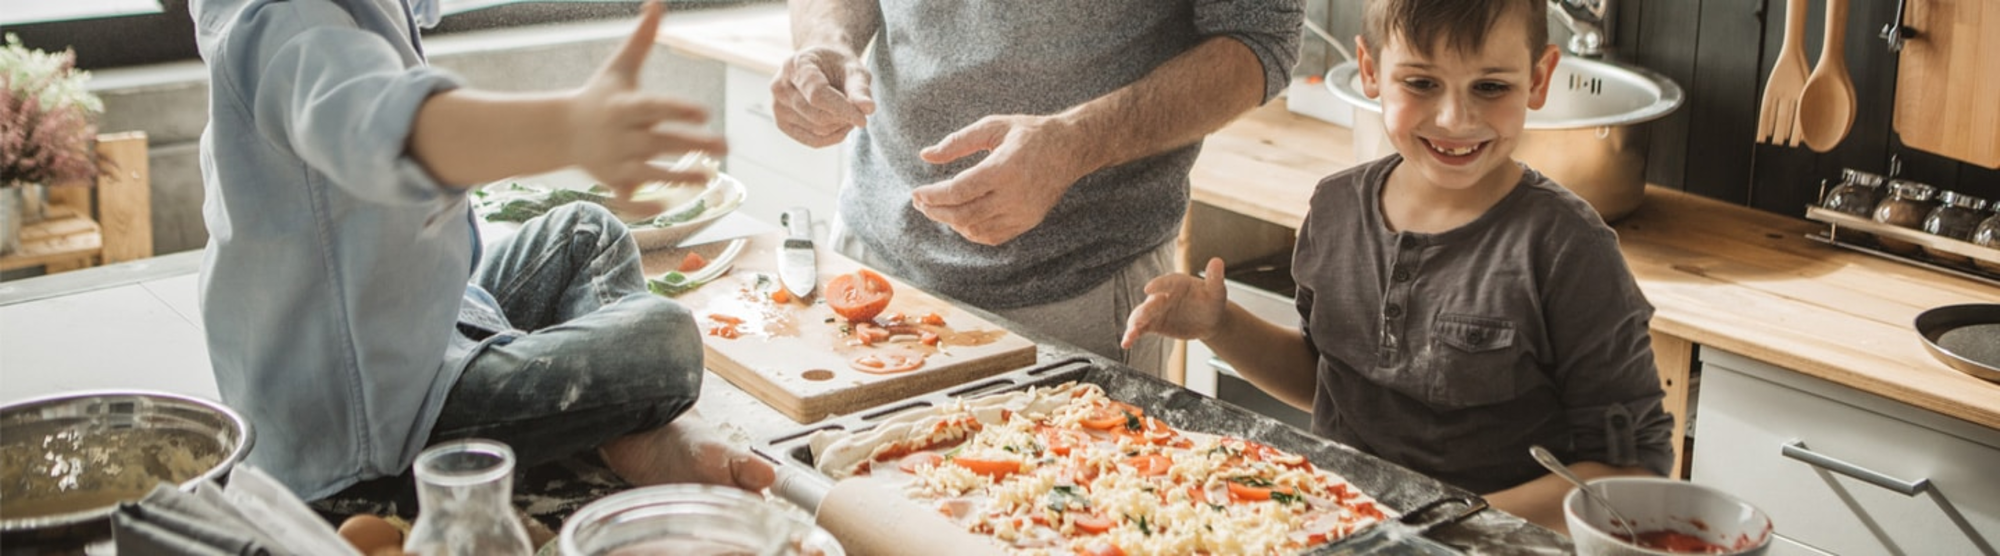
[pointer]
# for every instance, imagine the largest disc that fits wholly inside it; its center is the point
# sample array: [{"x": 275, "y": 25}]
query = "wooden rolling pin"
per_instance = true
[{"x": 871, "y": 518}]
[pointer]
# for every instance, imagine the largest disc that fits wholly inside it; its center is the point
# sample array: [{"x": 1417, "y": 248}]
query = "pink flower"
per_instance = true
[{"x": 46, "y": 135}]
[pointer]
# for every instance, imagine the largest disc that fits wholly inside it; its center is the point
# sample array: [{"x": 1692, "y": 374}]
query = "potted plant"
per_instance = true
[{"x": 46, "y": 134}]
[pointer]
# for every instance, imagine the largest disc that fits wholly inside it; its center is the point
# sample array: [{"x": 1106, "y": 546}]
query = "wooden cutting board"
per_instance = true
[
  {"x": 1948, "y": 82},
  {"x": 797, "y": 358}
]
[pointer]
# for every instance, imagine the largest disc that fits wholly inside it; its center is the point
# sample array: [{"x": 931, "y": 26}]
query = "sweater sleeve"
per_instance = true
[
  {"x": 1269, "y": 27},
  {"x": 341, "y": 98}
]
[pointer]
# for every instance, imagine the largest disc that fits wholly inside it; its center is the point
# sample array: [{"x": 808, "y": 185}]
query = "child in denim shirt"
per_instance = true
[{"x": 349, "y": 309}]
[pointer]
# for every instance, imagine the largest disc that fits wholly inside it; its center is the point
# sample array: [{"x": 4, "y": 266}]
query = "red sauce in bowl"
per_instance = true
[{"x": 1674, "y": 541}]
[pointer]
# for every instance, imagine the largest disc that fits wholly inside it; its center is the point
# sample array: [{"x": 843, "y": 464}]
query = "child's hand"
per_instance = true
[
  {"x": 1180, "y": 306},
  {"x": 616, "y": 128}
]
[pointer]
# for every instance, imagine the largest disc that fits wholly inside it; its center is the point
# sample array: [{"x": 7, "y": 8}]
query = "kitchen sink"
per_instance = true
[{"x": 1590, "y": 136}]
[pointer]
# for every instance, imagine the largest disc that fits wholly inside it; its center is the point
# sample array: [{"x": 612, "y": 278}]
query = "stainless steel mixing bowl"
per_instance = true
[{"x": 70, "y": 458}]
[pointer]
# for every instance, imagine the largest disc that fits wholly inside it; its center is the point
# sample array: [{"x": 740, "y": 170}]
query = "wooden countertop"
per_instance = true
[{"x": 1719, "y": 274}]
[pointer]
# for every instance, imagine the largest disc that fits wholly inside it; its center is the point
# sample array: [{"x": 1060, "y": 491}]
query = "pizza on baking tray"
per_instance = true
[{"x": 1067, "y": 470}]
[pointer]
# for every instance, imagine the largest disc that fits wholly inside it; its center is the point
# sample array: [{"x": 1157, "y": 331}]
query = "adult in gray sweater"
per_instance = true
[{"x": 1030, "y": 158}]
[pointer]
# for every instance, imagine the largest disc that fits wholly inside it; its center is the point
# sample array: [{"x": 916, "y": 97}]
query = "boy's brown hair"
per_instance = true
[{"x": 1460, "y": 24}]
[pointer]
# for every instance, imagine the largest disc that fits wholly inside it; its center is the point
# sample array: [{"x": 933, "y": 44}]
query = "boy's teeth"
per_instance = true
[{"x": 1461, "y": 151}]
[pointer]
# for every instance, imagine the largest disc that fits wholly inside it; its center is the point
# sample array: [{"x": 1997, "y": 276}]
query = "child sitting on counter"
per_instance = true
[
  {"x": 350, "y": 310},
  {"x": 1456, "y": 307}
]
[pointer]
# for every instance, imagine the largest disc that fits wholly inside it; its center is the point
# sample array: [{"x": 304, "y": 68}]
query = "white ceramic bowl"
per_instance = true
[
  {"x": 1656, "y": 504},
  {"x": 723, "y": 195}
]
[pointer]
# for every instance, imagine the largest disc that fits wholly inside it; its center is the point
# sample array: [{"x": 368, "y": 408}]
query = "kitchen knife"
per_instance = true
[{"x": 797, "y": 268}]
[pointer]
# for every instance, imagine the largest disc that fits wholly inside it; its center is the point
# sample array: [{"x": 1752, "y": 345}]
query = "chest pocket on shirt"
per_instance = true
[{"x": 1471, "y": 361}]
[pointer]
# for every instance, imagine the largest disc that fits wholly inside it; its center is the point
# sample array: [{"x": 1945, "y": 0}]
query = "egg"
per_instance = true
[{"x": 371, "y": 534}]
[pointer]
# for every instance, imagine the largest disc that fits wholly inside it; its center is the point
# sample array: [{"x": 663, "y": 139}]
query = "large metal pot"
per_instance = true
[
  {"x": 1590, "y": 136},
  {"x": 70, "y": 458}
]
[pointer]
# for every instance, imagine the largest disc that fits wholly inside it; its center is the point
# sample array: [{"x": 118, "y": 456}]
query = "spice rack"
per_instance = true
[{"x": 1836, "y": 221}]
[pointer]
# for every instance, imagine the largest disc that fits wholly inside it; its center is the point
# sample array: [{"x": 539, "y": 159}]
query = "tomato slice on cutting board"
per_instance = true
[
  {"x": 887, "y": 362},
  {"x": 858, "y": 296}
]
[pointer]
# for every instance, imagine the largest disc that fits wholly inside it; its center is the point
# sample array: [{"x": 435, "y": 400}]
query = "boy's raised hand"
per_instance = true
[
  {"x": 617, "y": 129},
  {"x": 1180, "y": 306}
]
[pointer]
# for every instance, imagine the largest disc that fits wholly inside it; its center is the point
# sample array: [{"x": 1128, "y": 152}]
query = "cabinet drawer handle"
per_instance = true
[{"x": 1797, "y": 450}]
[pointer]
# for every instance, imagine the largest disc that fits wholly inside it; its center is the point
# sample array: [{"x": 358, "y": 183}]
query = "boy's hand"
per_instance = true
[
  {"x": 1031, "y": 161},
  {"x": 616, "y": 129},
  {"x": 820, "y": 94},
  {"x": 1180, "y": 306}
]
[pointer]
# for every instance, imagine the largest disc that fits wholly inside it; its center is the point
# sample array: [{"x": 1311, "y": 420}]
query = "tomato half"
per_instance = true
[
  {"x": 859, "y": 296},
  {"x": 692, "y": 262}
]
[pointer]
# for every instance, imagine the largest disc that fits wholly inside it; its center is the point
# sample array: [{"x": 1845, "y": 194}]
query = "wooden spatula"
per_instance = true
[
  {"x": 1777, "y": 123},
  {"x": 1826, "y": 107}
]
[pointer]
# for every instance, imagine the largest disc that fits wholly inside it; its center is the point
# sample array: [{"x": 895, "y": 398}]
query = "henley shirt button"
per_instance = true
[
  {"x": 1401, "y": 275},
  {"x": 1392, "y": 311},
  {"x": 1409, "y": 242}
]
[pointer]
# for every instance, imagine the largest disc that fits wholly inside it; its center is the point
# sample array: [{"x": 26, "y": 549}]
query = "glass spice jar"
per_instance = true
[
  {"x": 464, "y": 501},
  {"x": 1987, "y": 235},
  {"x": 1955, "y": 217},
  {"x": 1857, "y": 193},
  {"x": 1908, "y": 204}
]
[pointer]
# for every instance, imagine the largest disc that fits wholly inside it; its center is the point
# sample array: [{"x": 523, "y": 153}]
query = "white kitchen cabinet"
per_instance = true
[
  {"x": 1751, "y": 411},
  {"x": 779, "y": 172}
]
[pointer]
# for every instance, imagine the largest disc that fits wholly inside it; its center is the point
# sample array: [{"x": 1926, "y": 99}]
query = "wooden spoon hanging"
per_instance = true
[{"x": 1826, "y": 107}]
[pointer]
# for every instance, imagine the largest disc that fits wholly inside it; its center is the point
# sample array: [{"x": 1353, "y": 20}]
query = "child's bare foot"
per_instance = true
[{"x": 688, "y": 450}]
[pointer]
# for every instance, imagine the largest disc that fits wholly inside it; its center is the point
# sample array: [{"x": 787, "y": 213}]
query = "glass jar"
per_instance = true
[
  {"x": 465, "y": 504},
  {"x": 1908, "y": 204},
  {"x": 688, "y": 519},
  {"x": 1857, "y": 194},
  {"x": 1955, "y": 217},
  {"x": 1988, "y": 235}
]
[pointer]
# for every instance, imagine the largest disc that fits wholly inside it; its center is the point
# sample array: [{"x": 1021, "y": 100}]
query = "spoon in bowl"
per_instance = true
[{"x": 1549, "y": 461}]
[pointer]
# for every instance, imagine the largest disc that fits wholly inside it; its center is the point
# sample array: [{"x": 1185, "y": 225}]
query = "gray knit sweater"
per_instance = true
[{"x": 942, "y": 64}]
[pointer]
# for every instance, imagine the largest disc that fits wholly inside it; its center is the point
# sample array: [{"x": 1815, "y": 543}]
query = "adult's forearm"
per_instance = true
[
  {"x": 1275, "y": 358},
  {"x": 1188, "y": 97},
  {"x": 845, "y": 25},
  {"x": 470, "y": 137}
]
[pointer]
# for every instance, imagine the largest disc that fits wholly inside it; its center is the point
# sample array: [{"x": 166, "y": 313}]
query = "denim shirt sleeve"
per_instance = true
[
  {"x": 1270, "y": 28},
  {"x": 339, "y": 97}
]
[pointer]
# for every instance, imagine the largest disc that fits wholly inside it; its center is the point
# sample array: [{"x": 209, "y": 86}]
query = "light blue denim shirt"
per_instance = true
[{"x": 336, "y": 265}]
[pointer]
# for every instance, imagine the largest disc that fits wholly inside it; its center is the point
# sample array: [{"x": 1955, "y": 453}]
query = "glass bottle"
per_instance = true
[
  {"x": 1908, "y": 203},
  {"x": 464, "y": 501},
  {"x": 1857, "y": 194}
]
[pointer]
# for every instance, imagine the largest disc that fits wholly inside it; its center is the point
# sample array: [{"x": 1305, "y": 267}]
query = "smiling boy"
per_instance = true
[{"x": 1455, "y": 306}]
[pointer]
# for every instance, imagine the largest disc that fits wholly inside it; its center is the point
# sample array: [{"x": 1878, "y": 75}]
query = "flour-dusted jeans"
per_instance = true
[{"x": 586, "y": 354}]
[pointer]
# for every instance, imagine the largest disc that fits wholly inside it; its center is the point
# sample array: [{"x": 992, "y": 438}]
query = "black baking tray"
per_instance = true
[{"x": 1396, "y": 487}]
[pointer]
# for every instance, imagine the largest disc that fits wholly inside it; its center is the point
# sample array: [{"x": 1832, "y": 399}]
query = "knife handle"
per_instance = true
[{"x": 797, "y": 222}]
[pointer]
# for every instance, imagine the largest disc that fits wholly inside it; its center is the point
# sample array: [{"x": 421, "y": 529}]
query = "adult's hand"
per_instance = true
[
  {"x": 1031, "y": 162},
  {"x": 1180, "y": 306},
  {"x": 617, "y": 129},
  {"x": 821, "y": 94}
]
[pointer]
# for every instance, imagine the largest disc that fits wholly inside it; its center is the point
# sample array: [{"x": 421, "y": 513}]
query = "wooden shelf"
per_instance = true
[{"x": 64, "y": 239}]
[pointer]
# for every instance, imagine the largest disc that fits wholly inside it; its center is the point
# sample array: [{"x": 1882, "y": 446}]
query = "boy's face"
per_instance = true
[{"x": 1455, "y": 117}]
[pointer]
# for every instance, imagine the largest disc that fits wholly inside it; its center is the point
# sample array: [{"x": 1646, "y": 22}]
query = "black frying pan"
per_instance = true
[{"x": 1964, "y": 337}]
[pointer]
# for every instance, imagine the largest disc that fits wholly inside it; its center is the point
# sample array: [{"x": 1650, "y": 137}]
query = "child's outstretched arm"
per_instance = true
[
  {"x": 1275, "y": 358},
  {"x": 608, "y": 127}
]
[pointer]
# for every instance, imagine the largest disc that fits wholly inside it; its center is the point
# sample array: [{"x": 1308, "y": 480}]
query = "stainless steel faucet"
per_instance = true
[{"x": 1589, "y": 23}]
